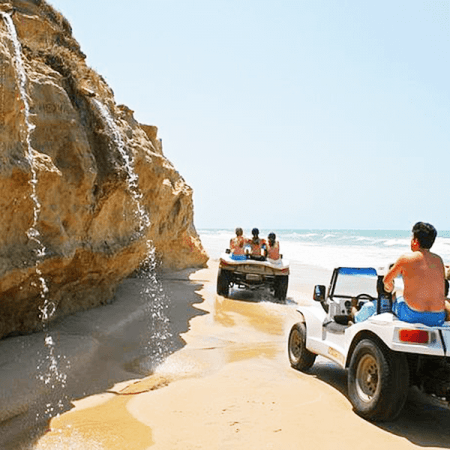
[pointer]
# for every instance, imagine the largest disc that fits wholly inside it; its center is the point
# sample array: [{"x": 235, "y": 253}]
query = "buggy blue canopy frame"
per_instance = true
[
  {"x": 356, "y": 271},
  {"x": 349, "y": 271}
]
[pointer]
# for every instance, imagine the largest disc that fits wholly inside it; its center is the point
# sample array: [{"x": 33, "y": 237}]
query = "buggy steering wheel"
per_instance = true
[{"x": 364, "y": 297}]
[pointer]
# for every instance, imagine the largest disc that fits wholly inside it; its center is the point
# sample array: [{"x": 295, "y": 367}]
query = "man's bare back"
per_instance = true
[{"x": 423, "y": 275}]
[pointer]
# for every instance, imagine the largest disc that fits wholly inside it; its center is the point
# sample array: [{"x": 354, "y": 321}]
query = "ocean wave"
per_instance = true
[
  {"x": 363, "y": 238},
  {"x": 295, "y": 235},
  {"x": 392, "y": 242},
  {"x": 216, "y": 233}
]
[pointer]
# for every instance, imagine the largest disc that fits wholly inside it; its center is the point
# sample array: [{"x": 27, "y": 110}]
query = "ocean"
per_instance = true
[{"x": 327, "y": 249}]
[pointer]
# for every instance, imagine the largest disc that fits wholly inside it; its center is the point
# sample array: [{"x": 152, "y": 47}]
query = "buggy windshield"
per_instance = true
[{"x": 351, "y": 282}]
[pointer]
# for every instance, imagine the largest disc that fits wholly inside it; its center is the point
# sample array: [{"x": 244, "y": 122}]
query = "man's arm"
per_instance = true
[{"x": 394, "y": 271}]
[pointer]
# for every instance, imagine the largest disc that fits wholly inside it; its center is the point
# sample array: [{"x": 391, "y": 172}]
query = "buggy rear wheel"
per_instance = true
[
  {"x": 378, "y": 381},
  {"x": 299, "y": 356},
  {"x": 223, "y": 282},
  {"x": 281, "y": 287}
]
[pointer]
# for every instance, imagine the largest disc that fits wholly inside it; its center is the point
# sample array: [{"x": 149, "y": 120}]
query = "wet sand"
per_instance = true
[{"x": 231, "y": 387}]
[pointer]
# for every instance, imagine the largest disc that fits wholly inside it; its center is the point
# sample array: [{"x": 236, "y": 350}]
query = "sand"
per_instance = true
[{"x": 227, "y": 384}]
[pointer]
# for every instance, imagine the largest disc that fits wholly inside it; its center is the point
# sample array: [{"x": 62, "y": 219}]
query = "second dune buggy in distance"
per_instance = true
[{"x": 253, "y": 273}]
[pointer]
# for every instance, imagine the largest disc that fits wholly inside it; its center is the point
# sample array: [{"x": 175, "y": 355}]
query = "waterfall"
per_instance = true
[
  {"x": 48, "y": 308},
  {"x": 132, "y": 177},
  {"x": 32, "y": 233},
  {"x": 159, "y": 340}
]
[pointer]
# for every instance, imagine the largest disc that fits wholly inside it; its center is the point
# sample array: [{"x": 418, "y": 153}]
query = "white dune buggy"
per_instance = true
[
  {"x": 253, "y": 273},
  {"x": 384, "y": 356}
]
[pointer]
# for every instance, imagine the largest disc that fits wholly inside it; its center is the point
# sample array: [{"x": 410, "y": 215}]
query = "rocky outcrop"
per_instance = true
[{"x": 89, "y": 218}]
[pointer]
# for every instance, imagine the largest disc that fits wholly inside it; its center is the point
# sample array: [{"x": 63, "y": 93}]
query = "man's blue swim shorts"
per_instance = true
[{"x": 405, "y": 313}]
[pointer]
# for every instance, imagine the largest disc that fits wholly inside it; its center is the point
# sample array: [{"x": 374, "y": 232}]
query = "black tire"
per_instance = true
[
  {"x": 281, "y": 287},
  {"x": 378, "y": 381},
  {"x": 299, "y": 357},
  {"x": 223, "y": 282}
]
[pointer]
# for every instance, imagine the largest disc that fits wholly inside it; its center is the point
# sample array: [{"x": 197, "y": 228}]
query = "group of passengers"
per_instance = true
[{"x": 254, "y": 247}]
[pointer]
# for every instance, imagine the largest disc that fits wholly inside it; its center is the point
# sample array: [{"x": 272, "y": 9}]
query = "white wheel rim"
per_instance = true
[{"x": 295, "y": 345}]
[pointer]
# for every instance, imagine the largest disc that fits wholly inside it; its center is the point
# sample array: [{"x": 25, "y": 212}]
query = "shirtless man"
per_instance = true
[
  {"x": 423, "y": 273},
  {"x": 423, "y": 276}
]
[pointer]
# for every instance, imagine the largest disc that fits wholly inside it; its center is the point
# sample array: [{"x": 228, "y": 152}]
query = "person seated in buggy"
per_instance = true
[
  {"x": 273, "y": 247},
  {"x": 237, "y": 245},
  {"x": 423, "y": 274},
  {"x": 257, "y": 246}
]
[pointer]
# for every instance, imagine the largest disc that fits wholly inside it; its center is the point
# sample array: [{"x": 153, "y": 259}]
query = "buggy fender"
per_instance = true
[
  {"x": 313, "y": 316},
  {"x": 380, "y": 329}
]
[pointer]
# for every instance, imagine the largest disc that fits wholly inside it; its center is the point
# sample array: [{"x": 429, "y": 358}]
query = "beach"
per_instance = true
[
  {"x": 224, "y": 381},
  {"x": 116, "y": 331}
]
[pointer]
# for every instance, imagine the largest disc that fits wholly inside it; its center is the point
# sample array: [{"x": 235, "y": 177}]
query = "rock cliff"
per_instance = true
[{"x": 84, "y": 186}]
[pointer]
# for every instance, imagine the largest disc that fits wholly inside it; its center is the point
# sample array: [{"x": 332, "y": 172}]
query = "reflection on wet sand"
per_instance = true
[
  {"x": 244, "y": 308},
  {"x": 248, "y": 351},
  {"x": 252, "y": 313}
]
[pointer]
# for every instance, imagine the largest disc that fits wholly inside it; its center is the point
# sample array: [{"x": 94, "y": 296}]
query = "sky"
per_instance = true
[{"x": 295, "y": 114}]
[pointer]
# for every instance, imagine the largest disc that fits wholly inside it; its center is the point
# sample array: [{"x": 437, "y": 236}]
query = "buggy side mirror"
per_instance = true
[{"x": 319, "y": 293}]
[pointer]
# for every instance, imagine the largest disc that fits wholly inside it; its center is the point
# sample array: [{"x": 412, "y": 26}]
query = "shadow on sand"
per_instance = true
[
  {"x": 421, "y": 422},
  {"x": 95, "y": 350}
]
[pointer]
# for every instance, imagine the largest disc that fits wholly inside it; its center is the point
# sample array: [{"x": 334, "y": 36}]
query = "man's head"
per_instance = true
[
  {"x": 425, "y": 234},
  {"x": 239, "y": 231}
]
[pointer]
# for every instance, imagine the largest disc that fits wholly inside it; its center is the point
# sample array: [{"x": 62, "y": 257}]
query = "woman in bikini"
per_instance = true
[
  {"x": 273, "y": 247},
  {"x": 256, "y": 243},
  {"x": 237, "y": 245}
]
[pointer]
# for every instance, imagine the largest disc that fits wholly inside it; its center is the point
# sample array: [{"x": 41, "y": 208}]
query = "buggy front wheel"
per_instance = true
[{"x": 299, "y": 356}]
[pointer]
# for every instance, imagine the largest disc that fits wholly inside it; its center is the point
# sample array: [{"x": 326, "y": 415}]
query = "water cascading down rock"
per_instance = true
[{"x": 72, "y": 217}]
